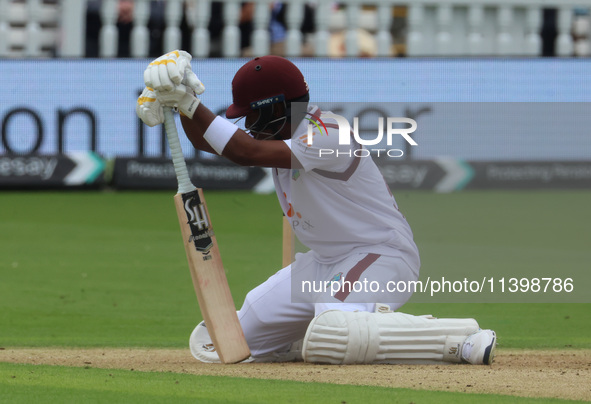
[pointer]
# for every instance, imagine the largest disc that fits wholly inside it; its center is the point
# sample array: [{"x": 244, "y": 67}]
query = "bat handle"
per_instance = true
[{"x": 178, "y": 160}]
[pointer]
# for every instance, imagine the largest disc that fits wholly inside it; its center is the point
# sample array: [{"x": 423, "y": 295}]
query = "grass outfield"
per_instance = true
[
  {"x": 23, "y": 383},
  {"x": 100, "y": 269}
]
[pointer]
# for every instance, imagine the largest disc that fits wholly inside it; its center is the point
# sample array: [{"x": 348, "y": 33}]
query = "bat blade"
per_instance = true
[{"x": 209, "y": 278}]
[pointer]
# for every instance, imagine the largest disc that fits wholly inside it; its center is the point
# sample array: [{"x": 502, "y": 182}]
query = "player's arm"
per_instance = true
[
  {"x": 232, "y": 142},
  {"x": 170, "y": 82},
  {"x": 195, "y": 130}
]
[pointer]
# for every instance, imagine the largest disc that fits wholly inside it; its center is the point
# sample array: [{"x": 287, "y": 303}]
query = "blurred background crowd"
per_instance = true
[{"x": 41, "y": 27}]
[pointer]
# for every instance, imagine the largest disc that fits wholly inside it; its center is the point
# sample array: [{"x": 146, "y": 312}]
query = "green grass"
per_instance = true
[
  {"x": 108, "y": 269},
  {"x": 88, "y": 269},
  {"x": 96, "y": 269},
  {"x": 25, "y": 383}
]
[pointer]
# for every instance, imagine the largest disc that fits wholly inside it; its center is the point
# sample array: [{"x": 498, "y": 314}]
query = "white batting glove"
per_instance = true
[
  {"x": 172, "y": 69},
  {"x": 180, "y": 97},
  {"x": 148, "y": 108}
]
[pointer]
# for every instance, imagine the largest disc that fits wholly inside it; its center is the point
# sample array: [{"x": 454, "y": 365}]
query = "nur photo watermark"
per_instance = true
[{"x": 386, "y": 130}]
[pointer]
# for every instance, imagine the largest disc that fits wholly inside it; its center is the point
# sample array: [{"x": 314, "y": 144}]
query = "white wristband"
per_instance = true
[{"x": 219, "y": 132}]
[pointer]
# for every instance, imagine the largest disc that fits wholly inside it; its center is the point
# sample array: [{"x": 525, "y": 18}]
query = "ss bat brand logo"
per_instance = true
[
  {"x": 198, "y": 221},
  {"x": 197, "y": 215}
]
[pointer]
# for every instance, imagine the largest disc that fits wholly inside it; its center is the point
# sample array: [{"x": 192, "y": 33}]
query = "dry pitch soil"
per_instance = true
[{"x": 557, "y": 373}]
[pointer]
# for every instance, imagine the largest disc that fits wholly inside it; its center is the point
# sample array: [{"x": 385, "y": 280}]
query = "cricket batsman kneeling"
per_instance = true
[{"x": 339, "y": 206}]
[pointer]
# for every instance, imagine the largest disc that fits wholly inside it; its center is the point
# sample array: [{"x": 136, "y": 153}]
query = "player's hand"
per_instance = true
[
  {"x": 148, "y": 108},
  {"x": 181, "y": 97},
  {"x": 170, "y": 70}
]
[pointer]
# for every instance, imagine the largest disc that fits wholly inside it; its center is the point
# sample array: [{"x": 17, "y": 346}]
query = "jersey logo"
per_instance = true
[{"x": 310, "y": 134}]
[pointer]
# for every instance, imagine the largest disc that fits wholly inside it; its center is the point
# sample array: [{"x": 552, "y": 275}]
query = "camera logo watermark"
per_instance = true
[{"x": 389, "y": 130}]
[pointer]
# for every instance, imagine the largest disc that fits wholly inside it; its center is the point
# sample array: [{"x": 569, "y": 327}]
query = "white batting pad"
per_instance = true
[{"x": 338, "y": 337}]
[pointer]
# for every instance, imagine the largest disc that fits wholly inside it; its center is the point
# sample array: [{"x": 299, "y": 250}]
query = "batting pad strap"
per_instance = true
[{"x": 219, "y": 132}]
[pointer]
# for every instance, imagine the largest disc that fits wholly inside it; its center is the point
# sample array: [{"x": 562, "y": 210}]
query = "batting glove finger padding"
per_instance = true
[
  {"x": 181, "y": 97},
  {"x": 172, "y": 69},
  {"x": 193, "y": 82},
  {"x": 148, "y": 108}
]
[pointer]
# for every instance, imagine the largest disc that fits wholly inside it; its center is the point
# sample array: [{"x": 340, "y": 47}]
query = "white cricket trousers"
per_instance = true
[{"x": 276, "y": 313}]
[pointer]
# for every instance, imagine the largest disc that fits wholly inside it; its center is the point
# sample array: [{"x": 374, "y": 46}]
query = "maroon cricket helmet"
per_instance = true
[{"x": 263, "y": 81}]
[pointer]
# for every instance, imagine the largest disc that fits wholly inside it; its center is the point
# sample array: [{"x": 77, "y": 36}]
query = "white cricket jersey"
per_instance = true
[{"x": 339, "y": 205}]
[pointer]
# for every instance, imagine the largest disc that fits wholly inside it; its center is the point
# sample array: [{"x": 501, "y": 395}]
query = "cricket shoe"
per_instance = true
[
  {"x": 202, "y": 348},
  {"x": 479, "y": 348}
]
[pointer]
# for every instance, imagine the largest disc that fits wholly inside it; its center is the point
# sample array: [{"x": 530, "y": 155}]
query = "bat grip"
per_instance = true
[{"x": 178, "y": 160}]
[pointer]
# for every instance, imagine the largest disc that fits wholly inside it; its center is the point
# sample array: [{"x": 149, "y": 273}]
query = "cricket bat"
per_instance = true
[{"x": 203, "y": 255}]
